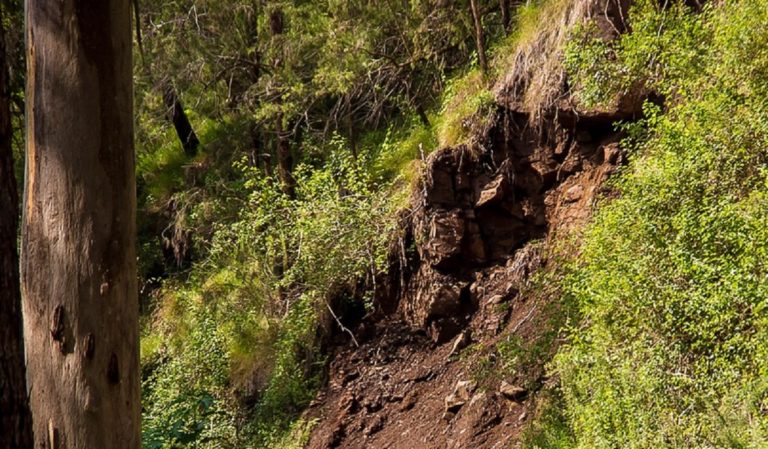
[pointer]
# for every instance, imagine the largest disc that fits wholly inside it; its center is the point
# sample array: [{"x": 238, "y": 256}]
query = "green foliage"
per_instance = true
[
  {"x": 549, "y": 428},
  {"x": 671, "y": 281},
  {"x": 248, "y": 318},
  {"x": 467, "y": 106},
  {"x": 667, "y": 43},
  {"x": 402, "y": 147},
  {"x": 230, "y": 345}
]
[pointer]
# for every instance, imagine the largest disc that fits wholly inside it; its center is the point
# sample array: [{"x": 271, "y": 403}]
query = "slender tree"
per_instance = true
[
  {"x": 15, "y": 418},
  {"x": 479, "y": 35},
  {"x": 284, "y": 155},
  {"x": 78, "y": 229}
]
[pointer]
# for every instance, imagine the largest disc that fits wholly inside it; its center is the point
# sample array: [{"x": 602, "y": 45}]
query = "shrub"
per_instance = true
[{"x": 671, "y": 279}]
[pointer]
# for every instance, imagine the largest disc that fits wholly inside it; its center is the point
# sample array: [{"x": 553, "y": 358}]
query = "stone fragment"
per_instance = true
[
  {"x": 496, "y": 299},
  {"x": 376, "y": 425},
  {"x": 612, "y": 153},
  {"x": 493, "y": 192},
  {"x": 461, "y": 342},
  {"x": 512, "y": 392},
  {"x": 409, "y": 401},
  {"x": 445, "y": 233},
  {"x": 462, "y": 392},
  {"x": 573, "y": 194}
]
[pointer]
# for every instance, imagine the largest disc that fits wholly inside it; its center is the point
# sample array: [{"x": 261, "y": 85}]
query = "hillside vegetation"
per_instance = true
[
  {"x": 248, "y": 269},
  {"x": 671, "y": 281},
  {"x": 251, "y": 271}
]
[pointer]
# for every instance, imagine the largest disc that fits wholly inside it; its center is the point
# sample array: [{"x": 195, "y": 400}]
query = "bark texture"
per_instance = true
[
  {"x": 78, "y": 232},
  {"x": 15, "y": 418}
]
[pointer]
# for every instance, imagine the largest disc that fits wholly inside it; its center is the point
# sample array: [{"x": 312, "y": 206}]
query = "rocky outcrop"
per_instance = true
[
  {"x": 476, "y": 206},
  {"x": 480, "y": 222}
]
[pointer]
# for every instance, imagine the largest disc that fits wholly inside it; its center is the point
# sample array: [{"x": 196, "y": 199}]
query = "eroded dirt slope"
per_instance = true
[
  {"x": 480, "y": 226},
  {"x": 483, "y": 219}
]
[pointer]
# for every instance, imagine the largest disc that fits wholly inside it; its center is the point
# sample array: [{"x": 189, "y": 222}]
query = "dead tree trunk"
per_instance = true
[
  {"x": 78, "y": 232},
  {"x": 479, "y": 35},
  {"x": 177, "y": 116},
  {"x": 15, "y": 418}
]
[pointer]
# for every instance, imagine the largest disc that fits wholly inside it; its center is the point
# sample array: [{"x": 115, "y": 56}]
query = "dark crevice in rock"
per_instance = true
[{"x": 477, "y": 205}]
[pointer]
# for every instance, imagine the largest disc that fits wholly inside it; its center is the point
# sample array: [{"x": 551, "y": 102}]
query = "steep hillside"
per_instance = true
[
  {"x": 455, "y": 355},
  {"x": 559, "y": 244}
]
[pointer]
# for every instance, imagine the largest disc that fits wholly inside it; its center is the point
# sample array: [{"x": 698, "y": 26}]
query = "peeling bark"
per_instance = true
[{"x": 78, "y": 233}]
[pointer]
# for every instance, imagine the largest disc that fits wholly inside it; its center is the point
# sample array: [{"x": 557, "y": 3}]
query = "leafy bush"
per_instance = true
[
  {"x": 246, "y": 324},
  {"x": 671, "y": 281}
]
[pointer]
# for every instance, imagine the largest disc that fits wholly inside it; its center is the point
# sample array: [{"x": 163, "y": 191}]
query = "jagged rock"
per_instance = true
[
  {"x": 493, "y": 192},
  {"x": 373, "y": 405},
  {"x": 496, "y": 299},
  {"x": 574, "y": 193},
  {"x": 453, "y": 403},
  {"x": 409, "y": 401},
  {"x": 437, "y": 303},
  {"x": 512, "y": 392},
  {"x": 546, "y": 170},
  {"x": 443, "y": 235},
  {"x": 462, "y": 392},
  {"x": 572, "y": 164},
  {"x": 376, "y": 425},
  {"x": 438, "y": 179},
  {"x": 476, "y": 291},
  {"x": 612, "y": 153},
  {"x": 461, "y": 342},
  {"x": 525, "y": 262},
  {"x": 473, "y": 246},
  {"x": 443, "y": 329},
  {"x": 349, "y": 404},
  {"x": 349, "y": 377}
]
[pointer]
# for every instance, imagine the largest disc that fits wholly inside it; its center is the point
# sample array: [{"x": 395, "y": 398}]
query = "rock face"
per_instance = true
[{"x": 476, "y": 206}]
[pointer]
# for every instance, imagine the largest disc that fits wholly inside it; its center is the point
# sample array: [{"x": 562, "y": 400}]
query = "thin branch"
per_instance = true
[{"x": 343, "y": 327}]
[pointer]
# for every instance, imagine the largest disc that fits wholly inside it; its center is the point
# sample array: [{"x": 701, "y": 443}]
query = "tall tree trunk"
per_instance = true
[
  {"x": 284, "y": 156},
  {"x": 78, "y": 233},
  {"x": 504, "y": 7},
  {"x": 175, "y": 112},
  {"x": 15, "y": 417},
  {"x": 479, "y": 36}
]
